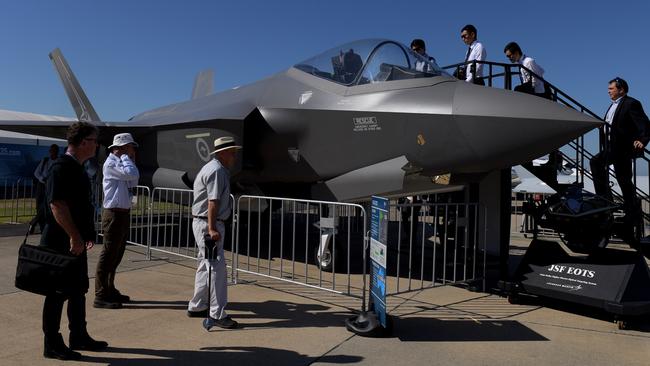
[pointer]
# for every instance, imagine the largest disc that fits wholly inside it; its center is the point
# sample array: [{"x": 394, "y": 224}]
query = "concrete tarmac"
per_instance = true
[{"x": 288, "y": 324}]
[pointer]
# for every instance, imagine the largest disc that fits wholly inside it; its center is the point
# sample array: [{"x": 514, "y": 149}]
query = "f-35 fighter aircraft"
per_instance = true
[{"x": 368, "y": 117}]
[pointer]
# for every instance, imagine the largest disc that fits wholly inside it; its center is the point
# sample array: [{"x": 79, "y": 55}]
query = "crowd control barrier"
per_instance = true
[
  {"x": 435, "y": 244},
  {"x": 316, "y": 244},
  {"x": 324, "y": 245}
]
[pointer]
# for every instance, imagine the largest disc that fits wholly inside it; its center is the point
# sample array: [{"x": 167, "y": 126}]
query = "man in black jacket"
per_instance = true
[
  {"x": 41, "y": 173},
  {"x": 69, "y": 228},
  {"x": 628, "y": 129}
]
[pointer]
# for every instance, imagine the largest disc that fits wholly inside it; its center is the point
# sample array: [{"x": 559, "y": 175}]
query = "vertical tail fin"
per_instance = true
[
  {"x": 204, "y": 84},
  {"x": 78, "y": 99}
]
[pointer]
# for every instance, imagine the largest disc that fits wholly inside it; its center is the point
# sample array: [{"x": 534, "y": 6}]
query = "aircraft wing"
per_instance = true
[
  {"x": 35, "y": 124},
  {"x": 54, "y": 129}
]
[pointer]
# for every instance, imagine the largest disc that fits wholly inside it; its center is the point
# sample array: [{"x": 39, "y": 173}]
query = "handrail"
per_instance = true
[
  {"x": 511, "y": 73},
  {"x": 560, "y": 96},
  {"x": 507, "y": 66},
  {"x": 643, "y": 195}
]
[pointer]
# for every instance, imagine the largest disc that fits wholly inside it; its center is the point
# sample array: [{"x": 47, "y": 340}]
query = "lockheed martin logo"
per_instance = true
[{"x": 574, "y": 287}]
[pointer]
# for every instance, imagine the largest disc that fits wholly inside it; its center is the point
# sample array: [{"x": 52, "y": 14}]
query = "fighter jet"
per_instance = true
[{"x": 356, "y": 120}]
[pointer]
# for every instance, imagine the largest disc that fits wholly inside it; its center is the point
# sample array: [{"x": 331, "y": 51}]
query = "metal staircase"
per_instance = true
[{"x": 574, "y": 153}]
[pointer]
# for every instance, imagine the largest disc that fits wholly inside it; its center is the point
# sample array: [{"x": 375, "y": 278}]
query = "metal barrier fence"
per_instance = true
[
  {"x": 312, "y": 243},
  {"x": 161, "y": 221},
  {"x": 323, "y": 245},
  {"x": 522, "y": 223},
  {"x": 320, "y": 244},
  {"x": 17, "y": 199},
  {"x": 315, "y": 243},
  {"x": 140, "y": 223},
  {"x": 170, "y": 223},
  {"x": 434, "y": 244}
]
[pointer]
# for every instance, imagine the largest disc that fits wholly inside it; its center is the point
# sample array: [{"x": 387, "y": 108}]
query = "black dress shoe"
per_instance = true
[
  {"x": 118, "y": 297},
  {"x": 102, "y": 303},
  {"x": 55, "y": 348},
  {"x": 85, "y": 342},
  {"x": 198, "y": 314}
]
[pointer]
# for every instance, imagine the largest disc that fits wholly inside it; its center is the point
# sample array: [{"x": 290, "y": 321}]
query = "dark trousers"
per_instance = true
[
  {"x": 115, "y": 226},
  {"x": 623, "y": 169},
  {"x": 53, "y": 307},
  {"x": 528, "y": 89},
  {"x": 40, "y": 207}
]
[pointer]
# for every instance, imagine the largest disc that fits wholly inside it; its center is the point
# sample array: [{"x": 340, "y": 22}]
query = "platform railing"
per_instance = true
[{"x": 505, "y": 75}]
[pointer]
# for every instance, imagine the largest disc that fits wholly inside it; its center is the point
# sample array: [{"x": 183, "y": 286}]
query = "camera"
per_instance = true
[
  {"x": 460, "y": 72},
  {"x": 210, "y": 247}
]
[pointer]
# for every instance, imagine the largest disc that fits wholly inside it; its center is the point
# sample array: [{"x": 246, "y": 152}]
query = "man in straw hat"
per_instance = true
[
  {"x": 120, "y": 175},
  {"x": 210, "y": 208}
]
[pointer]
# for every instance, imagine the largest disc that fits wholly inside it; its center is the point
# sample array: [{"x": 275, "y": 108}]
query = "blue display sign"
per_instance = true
[
  {"x": 20, "y": 161},
  {"x": 378, "y": 251}
]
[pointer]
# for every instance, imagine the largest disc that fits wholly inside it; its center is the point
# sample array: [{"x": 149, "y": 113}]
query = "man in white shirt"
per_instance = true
[
  {"x": 530, "y": 83},
  {"x": 41, "y": 173},
  {"x": 120, "y": 175},
  {"x": 473, "y": 72}
]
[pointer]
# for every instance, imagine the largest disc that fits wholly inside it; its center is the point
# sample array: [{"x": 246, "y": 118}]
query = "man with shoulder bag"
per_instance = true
[{"x": 69, "y": 228}]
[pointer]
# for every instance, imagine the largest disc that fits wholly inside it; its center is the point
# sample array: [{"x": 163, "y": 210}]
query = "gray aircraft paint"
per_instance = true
[
  {"x": 300, "y": 129},
  {"x": 203, "y": 84}
]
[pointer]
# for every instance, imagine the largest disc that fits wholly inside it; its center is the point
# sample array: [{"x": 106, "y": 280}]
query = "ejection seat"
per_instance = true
[{"x": 346, "y": 66}]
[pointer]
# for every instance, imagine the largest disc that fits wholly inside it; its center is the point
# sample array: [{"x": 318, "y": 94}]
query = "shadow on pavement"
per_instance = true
[
  {"x": 144, "y": 304},
  {"x": 288, "y": 314},
  {"x": 639, "y": 323},
  {"x": 213, "y": 356},
  {"x": 15, "y": 230},
  {"x": 419, "y": 329}
]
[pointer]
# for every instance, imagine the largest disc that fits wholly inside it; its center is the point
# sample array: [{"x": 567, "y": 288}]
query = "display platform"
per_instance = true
[{"x": 615, "y": 280}]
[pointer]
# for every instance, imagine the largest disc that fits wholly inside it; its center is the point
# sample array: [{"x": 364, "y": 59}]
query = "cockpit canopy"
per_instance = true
[{"x": 370, "y": 61}]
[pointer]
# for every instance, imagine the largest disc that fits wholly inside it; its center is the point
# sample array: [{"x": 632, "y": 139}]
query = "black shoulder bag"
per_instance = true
[{"x": 44, "y": 271}]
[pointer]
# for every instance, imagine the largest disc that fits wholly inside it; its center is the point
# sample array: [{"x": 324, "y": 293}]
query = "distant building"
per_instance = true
[{"x": 20, "y": 153}]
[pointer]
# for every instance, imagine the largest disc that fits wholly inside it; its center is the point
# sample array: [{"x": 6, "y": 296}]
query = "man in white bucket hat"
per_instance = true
[
  {"x": 211, "y": 207},
  {"x": 120, "y": 175}
]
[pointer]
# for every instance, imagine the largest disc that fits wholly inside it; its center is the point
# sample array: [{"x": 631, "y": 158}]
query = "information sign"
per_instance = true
[{"x": 378, "y": 249}]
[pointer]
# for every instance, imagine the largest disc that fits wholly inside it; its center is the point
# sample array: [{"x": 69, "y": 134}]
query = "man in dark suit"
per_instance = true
[{"x": 626, "y": 135}]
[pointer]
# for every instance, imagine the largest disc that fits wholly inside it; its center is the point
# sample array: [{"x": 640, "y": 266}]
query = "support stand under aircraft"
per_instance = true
[{"x": 584, "y": 271}]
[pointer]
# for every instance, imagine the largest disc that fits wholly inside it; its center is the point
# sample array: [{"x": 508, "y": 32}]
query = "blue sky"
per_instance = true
[{"x": 131, "y": 56}]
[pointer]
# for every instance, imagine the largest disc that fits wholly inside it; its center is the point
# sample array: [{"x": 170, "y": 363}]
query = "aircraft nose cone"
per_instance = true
[{"x": 504, "y": 128}]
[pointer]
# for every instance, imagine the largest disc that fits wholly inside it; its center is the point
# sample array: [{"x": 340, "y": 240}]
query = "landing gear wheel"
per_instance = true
[
  {"x": 622, "y": 324},
  {"x": 324, "y": 260},
  {"x": 513, "y": 299}
]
